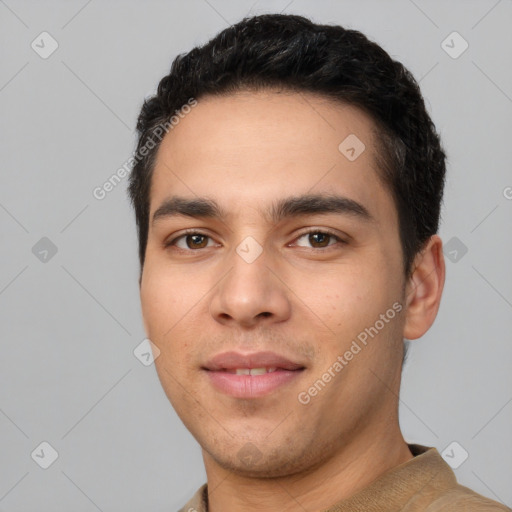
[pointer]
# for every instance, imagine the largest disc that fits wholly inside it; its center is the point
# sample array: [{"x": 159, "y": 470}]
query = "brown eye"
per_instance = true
[
  {"x": 192, "y": 241},
  {"x": 319, "y": 239},
  {"x": 196, "y": 241}
]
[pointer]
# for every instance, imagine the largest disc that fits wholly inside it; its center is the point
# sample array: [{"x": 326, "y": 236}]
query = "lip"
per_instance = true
[
  {"x": 233, "y": 360},
  {"x": 250, "y": 386}
]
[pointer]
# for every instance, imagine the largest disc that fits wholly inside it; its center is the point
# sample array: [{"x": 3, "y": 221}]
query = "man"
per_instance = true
[{"x": 287, "y": 190}]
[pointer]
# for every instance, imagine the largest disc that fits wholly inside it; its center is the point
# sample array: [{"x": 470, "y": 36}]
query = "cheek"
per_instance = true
[
  {"x": 169, "y": 301},
  {"x": 348, "y": 300},
  {"x": 161, "y": 305},
  {"x": 347, "y": 296}
]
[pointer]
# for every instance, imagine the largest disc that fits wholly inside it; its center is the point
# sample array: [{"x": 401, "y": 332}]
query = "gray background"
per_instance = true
[{"x": 69, "y": 324}]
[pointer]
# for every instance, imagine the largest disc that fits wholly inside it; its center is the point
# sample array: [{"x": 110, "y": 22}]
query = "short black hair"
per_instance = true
[{"x": 291, "y": 52}]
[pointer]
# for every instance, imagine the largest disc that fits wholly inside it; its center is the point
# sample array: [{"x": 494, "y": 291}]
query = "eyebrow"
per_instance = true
[{"x": 309, "y": 204}]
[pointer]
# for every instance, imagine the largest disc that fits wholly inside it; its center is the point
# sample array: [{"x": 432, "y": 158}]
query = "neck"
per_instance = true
[{"x": 344, "y": 473}]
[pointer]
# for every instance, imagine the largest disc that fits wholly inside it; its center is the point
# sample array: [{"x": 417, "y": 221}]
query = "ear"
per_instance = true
[{"x": 424, "y": 289}]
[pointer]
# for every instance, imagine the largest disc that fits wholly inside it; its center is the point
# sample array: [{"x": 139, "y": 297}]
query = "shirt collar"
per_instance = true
[{"x": 392, "y": 491}]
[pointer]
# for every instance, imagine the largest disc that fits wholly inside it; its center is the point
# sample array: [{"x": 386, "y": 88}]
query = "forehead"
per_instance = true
[{"x": 252, "y": 148}]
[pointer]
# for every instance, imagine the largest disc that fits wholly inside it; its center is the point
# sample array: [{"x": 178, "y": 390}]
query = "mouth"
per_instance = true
[
  {"x": 250, "y": 371},
  {"x": 251, "y": 375}
]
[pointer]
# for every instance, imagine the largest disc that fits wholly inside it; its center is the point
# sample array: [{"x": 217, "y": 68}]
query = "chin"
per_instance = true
[{"x": 250, "y": 462}]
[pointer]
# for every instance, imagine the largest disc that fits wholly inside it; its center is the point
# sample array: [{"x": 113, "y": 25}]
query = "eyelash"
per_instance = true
[{"x": 170, "y": 243}]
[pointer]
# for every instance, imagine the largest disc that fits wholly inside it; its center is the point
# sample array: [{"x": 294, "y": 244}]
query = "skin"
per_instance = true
[{"x": 247, "y": 150}]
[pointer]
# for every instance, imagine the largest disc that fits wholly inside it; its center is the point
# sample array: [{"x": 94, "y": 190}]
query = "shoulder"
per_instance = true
[
  {"x": 463, "y": 499},
  {"x": 437, "y": 489},
  {"x": 198, "y": 502}
]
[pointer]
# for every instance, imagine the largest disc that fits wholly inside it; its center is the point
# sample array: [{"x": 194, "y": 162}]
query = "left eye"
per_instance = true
[
  {"x": 192, "y": 241},
  {"x": 319, "y": 239}
]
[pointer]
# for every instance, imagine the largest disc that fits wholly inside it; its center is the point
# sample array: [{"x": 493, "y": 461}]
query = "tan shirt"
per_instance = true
[{"x": 424, "y": 483}]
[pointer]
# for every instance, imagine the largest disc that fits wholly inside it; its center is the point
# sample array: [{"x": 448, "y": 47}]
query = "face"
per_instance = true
[{"x": 311, "y": 290}]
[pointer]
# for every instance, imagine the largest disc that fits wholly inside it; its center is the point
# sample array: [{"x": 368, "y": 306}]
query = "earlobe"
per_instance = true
[{"x": 424, "y": 289}]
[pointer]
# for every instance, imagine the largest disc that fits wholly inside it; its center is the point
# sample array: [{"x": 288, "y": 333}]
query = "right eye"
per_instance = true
[{"x": 193, "y": 240}]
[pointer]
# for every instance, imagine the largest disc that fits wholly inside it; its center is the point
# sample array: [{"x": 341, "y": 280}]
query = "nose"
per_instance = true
[{"x": 251, "y": 292}]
